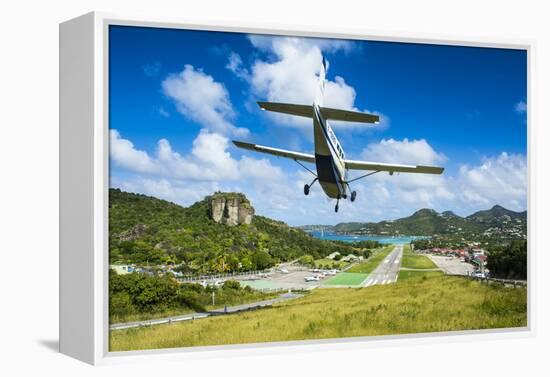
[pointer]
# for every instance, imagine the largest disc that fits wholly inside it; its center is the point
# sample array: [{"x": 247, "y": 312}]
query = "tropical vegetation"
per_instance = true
[{"x": 148, "y": 231}]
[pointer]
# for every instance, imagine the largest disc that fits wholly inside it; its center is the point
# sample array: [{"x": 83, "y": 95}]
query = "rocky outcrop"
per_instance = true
[
  {"x": 230, "y": 209},
  {"x": 133, "y": 234}
]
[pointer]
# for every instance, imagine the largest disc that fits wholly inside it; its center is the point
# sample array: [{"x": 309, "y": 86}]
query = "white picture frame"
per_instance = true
[{"x": 84, "y": 178}]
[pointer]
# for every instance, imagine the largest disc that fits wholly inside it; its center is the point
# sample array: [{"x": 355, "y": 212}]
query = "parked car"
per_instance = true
[{"x": 311, "y": 278}]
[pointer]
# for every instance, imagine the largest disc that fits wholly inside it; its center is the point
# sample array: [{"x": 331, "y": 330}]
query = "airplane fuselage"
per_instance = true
[{"x": 329, "y": 157}]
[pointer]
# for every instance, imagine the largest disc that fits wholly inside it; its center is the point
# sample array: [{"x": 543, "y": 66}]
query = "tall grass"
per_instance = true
[
  {"x": 411, "y": 260},
  {"x": 434, "y": 304},
  {"x": 412, "y": 275}
]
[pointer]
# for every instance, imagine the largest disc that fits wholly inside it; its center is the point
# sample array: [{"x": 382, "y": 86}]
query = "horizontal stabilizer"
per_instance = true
[
  {"x": 349, "y": 116},
  {"x": 288, "y": 108},
  {"x": 275, "y": 151},
  {"x": 327, "y": 112}
]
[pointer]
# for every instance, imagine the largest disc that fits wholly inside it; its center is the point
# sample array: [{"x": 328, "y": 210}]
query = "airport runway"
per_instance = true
[{"x": 388, "y": 270}]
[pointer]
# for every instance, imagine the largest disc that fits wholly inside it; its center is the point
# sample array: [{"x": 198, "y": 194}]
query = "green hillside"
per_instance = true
[
  {"x": 494, "y": 214},
  {"x": 149, "y": 231},
  {"x": 496, "y": 221}
]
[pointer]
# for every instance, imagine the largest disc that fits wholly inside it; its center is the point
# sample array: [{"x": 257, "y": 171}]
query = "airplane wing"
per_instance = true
[
  {"x": 380, "y": 166},
  {"x": 276, "y": 152}
]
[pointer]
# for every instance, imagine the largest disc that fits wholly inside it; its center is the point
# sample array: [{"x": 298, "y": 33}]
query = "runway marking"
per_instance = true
[
  {"x": 396, "y": 261},
  {"x": 368, "y": 283},
  {"x": 384, "y": 282},
  {"x": 386, "y": 261}
]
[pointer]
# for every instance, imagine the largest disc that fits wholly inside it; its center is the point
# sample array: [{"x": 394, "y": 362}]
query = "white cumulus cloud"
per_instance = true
[
  {"x": 124, "y": 154},
  {"x": 290, "y": 75},
  {"x": 208, "y": 160},
  {"x": 500, "y": 180},
  {"x": 199, "y": 97},
  {"x": 412, "y": 152}
]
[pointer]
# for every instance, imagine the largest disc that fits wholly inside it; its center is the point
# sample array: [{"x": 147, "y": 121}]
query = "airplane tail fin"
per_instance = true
[{"x": 322, "y": 79}]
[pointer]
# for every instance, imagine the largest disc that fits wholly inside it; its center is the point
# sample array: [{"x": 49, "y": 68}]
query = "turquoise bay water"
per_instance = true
[{"x": 351, "y": 238}]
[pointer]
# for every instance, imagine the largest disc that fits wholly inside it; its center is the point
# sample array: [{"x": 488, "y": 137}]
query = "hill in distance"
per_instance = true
[{"x": 497, "y": 221}]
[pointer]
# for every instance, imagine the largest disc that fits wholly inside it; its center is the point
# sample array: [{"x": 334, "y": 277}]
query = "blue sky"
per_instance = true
[{"x": 178, "y": 97}]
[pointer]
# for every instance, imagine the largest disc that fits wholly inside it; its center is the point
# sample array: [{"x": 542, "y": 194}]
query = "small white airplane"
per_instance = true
[{"x": 329, "y": 158}]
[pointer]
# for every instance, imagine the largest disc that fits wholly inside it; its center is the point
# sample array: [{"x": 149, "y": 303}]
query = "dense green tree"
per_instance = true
[
  {"x": 261, "y": 260},
  {"x": 307, "y": 260},
  {"x": 510, "y": 261}
]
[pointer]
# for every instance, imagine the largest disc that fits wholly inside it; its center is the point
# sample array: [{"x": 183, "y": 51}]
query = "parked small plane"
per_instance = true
[{"x": 329, "y": 158}]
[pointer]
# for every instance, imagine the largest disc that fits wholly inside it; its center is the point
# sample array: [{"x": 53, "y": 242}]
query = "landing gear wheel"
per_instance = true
[
  {"x": 353, "y": 195},
  {"x": 336, "y": 208},
  {"x": 306, "y": 189}
]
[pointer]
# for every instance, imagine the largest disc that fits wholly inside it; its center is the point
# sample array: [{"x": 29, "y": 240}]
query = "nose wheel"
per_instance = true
[
  {"x": 336, "y": 207},
  {"x": 353, "y": 195}
]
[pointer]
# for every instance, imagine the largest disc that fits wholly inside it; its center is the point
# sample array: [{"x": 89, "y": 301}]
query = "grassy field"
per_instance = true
[
  {"x": 412, "y": 260},
  {"x": 413, "y": 275},
  {"x": 441, "y": 303},
  {"x": 346, "y": 278},
  {"x": 371, "y": 263}
]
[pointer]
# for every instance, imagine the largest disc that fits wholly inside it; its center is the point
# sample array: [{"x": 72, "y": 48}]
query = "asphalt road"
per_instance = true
[
  {"x": 220, "y": 311},
  {"x": 388, "y": 270}
]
